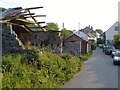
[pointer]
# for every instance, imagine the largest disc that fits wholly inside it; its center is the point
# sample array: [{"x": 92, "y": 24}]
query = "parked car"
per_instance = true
[
  {"x": 109, "y": 50},
  {"x": 116, "y": 58},
  {"x": 113, "y": 53},
  {"x": 104, "y": 48}
]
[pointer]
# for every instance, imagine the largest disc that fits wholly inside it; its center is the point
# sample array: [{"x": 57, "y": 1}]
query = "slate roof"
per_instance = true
[{"x": 89, "y": 29}]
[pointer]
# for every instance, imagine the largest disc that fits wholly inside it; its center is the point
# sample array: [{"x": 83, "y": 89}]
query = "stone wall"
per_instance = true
[
  {"x": 10, "y": 43},
  {"x": 73, "y": 48},
  {"x": 15, "y": 38},
  {"x": 50, "y": 40}
]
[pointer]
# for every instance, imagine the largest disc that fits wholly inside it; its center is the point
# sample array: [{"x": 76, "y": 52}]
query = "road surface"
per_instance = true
[{"x": 97, "y": 72}]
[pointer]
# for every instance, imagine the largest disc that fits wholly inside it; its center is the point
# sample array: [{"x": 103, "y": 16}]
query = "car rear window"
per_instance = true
[{"x": 117, "y": 54}]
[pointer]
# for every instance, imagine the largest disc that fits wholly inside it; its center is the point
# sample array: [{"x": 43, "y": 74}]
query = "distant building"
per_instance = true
[
  {"x": 97, "y": 35},
  {"x": 89, "y": 29},
  {"x": 91, "y": 33},
  {"x": 82, "y": 34}
]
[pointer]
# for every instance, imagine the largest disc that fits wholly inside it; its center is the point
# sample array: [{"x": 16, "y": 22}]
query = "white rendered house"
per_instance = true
[{"x": 111, "y": 32}]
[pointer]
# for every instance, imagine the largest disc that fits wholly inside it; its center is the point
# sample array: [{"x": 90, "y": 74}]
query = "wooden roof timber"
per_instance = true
[
  {"x": 32, "y": 22},
  {"x": 33, "y": 8},
  {"x": 35, "y": 20},
  {"x": 39, "y": 27},
  {"x": 23, "y": 26},
  {"x": 36, "y": 16},
  {"x": 19, "y": 22},
  {"x": 21, "y": 14},
  {"x": 29, "y": 14}
]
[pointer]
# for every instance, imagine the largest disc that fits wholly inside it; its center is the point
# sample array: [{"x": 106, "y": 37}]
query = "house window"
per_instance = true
[
  {"x": 72, "y": 41},
  {"x": 116, "y": 28}
]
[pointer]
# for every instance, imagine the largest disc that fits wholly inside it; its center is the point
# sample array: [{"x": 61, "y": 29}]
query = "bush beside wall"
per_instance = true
[{"x": 39, "y": 69}]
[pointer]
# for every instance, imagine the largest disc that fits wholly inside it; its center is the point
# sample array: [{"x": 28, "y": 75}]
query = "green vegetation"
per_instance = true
[
  {"x": 34, "y": 27},
  {"x": 117, "y": 41},
  {"x": 2, "y": 9},
  {"x": 66, "y": 33},
  {"x": 99, "y": 31},
  {"x": 0, "y": 80},
  {"x": 93, "y": 45},
  {"x": 39, "y": 69},
  {"x": 86, "y": 56},
  {"x": 52, "y": 26}
]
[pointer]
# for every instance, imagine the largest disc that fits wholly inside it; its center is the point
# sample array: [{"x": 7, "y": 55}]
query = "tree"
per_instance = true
[
  {"x": 103, "y": 35},
  {"x": 52, "y": 26},
  {"x": 117, "y": 37},
  {"x": 66, "y": 33},
  {"x": 117, "y": 41},
  {"x": 2, "y": 9},
  {"x": 99, "y": 31},
  {"x": 100, "y": 41}
]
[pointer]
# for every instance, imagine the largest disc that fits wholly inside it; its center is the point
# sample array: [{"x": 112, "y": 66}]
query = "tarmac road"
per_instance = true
[{"x": 97, "y": 72}]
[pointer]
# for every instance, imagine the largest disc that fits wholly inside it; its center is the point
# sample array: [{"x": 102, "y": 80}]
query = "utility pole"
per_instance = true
[
  {"x": 63, "y": 26},
  {"x": 119, "y": 17},
  {"x": 79, "y": 26}
]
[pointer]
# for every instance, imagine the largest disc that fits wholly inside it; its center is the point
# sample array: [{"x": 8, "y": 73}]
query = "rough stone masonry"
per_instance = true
[{"x": 13, "y": 39}]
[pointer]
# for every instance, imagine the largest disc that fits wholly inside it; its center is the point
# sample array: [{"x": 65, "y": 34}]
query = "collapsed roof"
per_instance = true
[{"x": 18, "y": 16}]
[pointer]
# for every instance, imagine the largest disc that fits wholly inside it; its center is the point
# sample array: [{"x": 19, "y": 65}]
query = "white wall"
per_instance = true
[
  {"x": 97, "y": 35},
  {"x": 111, "y": 32}
]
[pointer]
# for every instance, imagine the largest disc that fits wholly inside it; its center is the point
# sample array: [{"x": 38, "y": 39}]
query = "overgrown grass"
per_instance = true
[
  {"x": 39, "y": 69},
  {"x": 86, "y": 56},
  {"x": 0, "y": 80}
]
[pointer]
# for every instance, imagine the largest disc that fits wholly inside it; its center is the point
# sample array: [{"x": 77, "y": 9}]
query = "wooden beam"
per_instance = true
[
  {"x": 28, "y": 14},
  {"x": 22, "y": 15},
  {"x": 35, "y": 20},
  {"x": 27, "y": 28},
  {"x": 33, "y": 8},
  {"x": 40, "y": 22},
  {"x": 37, "y": 16}
]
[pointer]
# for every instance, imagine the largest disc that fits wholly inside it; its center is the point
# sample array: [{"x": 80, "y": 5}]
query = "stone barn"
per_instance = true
[{"x": 76, "y": 45}]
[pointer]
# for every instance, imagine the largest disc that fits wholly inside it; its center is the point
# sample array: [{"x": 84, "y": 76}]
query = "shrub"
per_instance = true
[
  {"x": 14, "y": 73},
  {"x": 21, "y": 70},
  {"x": 93, "y": 46},
  {"x": 32, "y": 58},
  {"x": 0, "y": 80},
  {"x": 117, "y": 44}
]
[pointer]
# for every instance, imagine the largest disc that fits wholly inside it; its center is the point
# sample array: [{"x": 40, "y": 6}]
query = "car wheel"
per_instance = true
[
  {"x": 112, "y": 56},
  {"x": 114, "y": 62}
]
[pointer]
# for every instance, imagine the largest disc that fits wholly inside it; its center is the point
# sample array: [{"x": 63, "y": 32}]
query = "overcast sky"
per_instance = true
[{"x": 100, "y": 14}]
